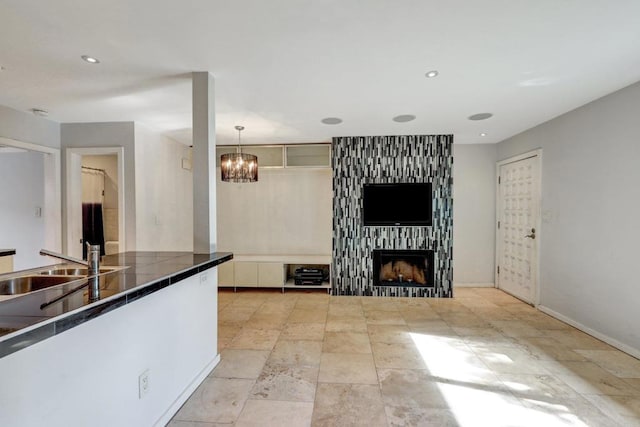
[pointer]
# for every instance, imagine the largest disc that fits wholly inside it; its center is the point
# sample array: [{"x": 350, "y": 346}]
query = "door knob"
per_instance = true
[{"x": 532, "y": 235}]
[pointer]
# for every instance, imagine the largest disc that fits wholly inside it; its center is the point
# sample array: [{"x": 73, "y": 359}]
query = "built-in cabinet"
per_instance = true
[
  {"x": 289, "y": 210},
  {"x": 270, "y": 271},
  {"x": 283, "y": 156}
]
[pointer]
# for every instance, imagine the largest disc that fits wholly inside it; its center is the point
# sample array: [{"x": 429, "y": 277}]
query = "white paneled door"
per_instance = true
[{"x": 517, "y": 232}]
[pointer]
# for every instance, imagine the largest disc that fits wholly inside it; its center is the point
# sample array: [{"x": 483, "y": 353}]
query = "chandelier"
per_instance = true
[{"x": 239, "y": 167}]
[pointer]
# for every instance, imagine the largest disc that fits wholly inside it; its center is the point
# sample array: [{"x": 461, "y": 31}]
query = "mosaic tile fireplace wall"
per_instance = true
[{"x": 382, "y": 160}]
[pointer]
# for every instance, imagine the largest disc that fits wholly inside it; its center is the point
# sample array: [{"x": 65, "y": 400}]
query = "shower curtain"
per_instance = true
[{"x": 92, "y": 200}]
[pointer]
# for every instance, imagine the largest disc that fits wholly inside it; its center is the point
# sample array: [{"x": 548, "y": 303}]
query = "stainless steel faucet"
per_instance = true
[{"x": 92, "y": 263}]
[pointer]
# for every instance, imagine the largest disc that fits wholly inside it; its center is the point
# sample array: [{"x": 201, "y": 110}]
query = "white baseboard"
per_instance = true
[
  {"x": 177, "y": 404},
  {"x": 602, "y": 337},
  {"x": 474, "y": 285}
]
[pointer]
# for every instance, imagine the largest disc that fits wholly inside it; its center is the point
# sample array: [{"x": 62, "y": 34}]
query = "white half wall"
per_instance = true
[
  {"x": 164, "y": 193},
  {"x": 22, "y": 192},
  {"x": 88, "y": 375},
  {"x": 474, "y": 214},
  {"x": 590, "y": 210},
  {"x": 287, "y": 212}
]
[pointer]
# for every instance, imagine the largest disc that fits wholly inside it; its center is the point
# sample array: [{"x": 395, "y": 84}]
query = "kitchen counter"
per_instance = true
[
  {"x": 23, "y": 323},
  {"x": 7, "y": 252}
]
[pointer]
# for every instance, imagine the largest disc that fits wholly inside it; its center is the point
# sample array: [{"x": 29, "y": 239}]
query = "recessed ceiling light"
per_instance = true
[
  {"x": 404, "y": 118},
  {"x": 40, "y": 112},
  {"x": 483, "y": 134},
  {"x": 432, "y": 73},
  {"x": 90, "y": 59},
  {"x": 331, "y": 121},
  {"x": 480, "y": 116}
]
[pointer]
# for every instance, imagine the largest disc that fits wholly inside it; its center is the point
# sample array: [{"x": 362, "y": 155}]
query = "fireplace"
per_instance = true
[{"x": 404, "y": 268}]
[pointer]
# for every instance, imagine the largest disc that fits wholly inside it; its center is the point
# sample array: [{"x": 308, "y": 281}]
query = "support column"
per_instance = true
[{"x": 203, "y": 163}]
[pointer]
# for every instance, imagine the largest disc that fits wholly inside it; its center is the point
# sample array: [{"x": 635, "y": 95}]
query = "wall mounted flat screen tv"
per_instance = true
[{"x": 403, "y": 204}]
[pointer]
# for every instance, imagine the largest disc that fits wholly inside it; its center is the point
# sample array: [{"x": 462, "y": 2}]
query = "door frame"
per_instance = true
[
  {"x": 529, "y": 154},
  {"x": 73, "y": 218}
]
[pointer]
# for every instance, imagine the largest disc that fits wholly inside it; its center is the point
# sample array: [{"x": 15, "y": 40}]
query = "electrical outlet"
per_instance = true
[
  {"x": 143, "y": 384},
  {"x": 203, "y": 278}
]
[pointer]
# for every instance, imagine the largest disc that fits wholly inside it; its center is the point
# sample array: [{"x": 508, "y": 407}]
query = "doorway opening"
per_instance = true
[
  {"x": 31, "y": 192},
  {"x": 95, "y": 200}
]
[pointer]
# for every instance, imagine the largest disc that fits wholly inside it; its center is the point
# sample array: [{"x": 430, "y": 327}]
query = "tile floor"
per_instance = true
[{"x": 482, "y": 358}]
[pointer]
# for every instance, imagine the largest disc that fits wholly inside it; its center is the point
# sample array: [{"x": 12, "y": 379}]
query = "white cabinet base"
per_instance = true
[{"x": 271, "y": 271}]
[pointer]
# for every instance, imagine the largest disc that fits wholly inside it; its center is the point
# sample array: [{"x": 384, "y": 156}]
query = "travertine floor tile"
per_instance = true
[
  {"x": 286, "y": 382},
  {"x": 576, "y": 411},
  {"x": 384, "y": 318},
  {"x": 410, "y": 416},
  {"x": 346, "y": 311},
  {"x": 346, "y": 342},
  {"x": 275, "y": 414},
  {"x": 348, "y": 405},
  {"x": 300, "y": 315},
  {"x": 577, "y": 340},
  {"x": 546, "y": 348},
  {"x": 397, "y": 355},
  {"x": 236, "y": 314},
  {"x": 589, "y": 378},
  {"x": 255, "y": 339},
  {"x": 177, "y": 423},
  {"x": 347, "y": 368},
  {"x": 347, "y": 325},
  {"x": 302, "y": 353},
  {"x": 482, "y": 358},
  {"x": 506, "y": 360},
  {"x": 216, "y": 400},
  {"x": 619, "y": 364},
  {"x": 266, "y": 321},
  {"x": 624, "y": 409},
  {"x": 527, "y": 386},
  {"x": 516, "y": 328},
  {"x": 303, "y": 331},
  {"x": 240, "y": 363},
  {"x": 410, "y": 388},
  {"x": 389, "y": 333}
]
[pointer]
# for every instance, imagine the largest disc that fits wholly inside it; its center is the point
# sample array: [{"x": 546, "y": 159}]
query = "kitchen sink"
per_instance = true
[
  {"x": 24, "y": 284},
  {"x": 73, "y": 271}
]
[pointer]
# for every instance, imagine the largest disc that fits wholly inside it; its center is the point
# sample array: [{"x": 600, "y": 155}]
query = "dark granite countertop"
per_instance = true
[
  {"x": 7, "y": 252},
  {"x": 24, "y": 323}
]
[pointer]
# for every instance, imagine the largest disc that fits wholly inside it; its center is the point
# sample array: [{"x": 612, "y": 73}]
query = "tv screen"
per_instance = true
[{"x": 397, "y": 204}]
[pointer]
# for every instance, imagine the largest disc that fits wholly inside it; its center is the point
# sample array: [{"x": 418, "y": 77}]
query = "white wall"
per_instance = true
[
  {"x": 590, "y": 206},
  {"x": 474, "y": 214},
  {"x": 22, "y": 191},
  {"x": 287, "y": 212},
  {"x": 88, "y": 375},
  {"x": 164, "y": 193},
  {"x": 111, "y": 134}
]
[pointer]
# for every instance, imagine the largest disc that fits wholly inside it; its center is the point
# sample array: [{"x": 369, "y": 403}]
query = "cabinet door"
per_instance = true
[
  {"x": 309, "y": 155},
  {"x": 270, "y": 274},
  {"x": 225, "y": 274},
  {"x": 246, "y": 273},
  {"x": 268, "y": 156}
]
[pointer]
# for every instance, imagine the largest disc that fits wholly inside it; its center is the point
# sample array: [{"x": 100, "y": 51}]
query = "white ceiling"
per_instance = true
[{"x": 283, "y": 65}]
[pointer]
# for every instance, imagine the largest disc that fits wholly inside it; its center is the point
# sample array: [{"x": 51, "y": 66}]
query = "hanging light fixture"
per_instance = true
[{"x": 239, "y": 167}]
